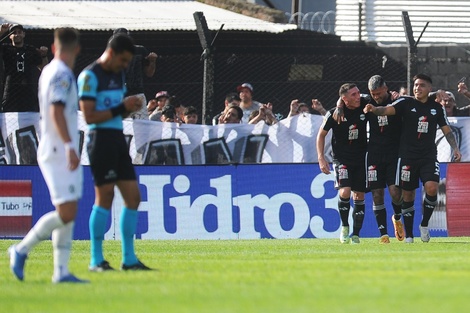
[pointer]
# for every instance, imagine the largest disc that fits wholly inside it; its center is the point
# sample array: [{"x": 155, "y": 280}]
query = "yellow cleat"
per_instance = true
[
  {"x": 399, "y": 231},
  {"x": 384, "y": 239}
]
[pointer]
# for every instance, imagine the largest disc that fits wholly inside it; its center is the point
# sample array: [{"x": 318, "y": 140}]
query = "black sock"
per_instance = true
[
  {"x": 429, "y": 204},
  {"x": 408, "y": 213},
  {"x": 397, "y": 210},
  {"x": 381, "y": 218},
  {"x": 344, "y": 205},
  {"x": 358, "y": 216}
]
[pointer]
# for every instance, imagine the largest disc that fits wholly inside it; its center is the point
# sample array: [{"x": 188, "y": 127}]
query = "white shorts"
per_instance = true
[{"x": 64, "y": 185}]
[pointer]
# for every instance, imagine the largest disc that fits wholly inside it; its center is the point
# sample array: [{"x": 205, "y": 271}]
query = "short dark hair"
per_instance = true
[
  {"x": 238, "y": 109},
  {"x": 67, "y": 36},
  {"x": 189, "y": 110},
  {"x": 232, "y": 96},
  {"x": 423, "y": 77},
  {"x": 345, "y": 88},
  {"x": 169, "y": 111},
  {"x": 120, "y": 43}
]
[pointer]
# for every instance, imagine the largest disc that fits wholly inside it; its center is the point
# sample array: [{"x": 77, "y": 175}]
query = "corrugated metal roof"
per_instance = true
[{"x": 133, "y": 15}]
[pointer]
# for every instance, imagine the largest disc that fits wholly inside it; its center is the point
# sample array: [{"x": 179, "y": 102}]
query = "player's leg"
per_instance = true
[
  {"x": 430, "y": 177},
  {"x": 380, "y": 214},
  {"x": 376, "y": 183},
  {"x": 97, "y": 225},
  {"x": 344, "y": 204},
  {"x": 358, "y": 214}
]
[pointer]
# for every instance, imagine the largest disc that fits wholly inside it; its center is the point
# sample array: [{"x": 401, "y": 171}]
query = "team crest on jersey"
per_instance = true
[
  {"x": 433, "y": 111},
  {"x": 362, "y": 117}
]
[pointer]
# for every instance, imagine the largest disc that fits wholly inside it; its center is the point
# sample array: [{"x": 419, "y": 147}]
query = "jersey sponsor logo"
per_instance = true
[
  {"x": 343, "y": 172},
  {"x": 112, "y": 84},
  {"x": 382, "y": 120},
  {"x": 423, "y": 125},
  {"x": 353, "y": 133},
  {"x": 372, "y": 173},
  {"x": 405, "y": 173}
]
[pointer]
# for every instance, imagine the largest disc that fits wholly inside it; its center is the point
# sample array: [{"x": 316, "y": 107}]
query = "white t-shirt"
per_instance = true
[
  {"x": 255, "y": 105},
  {"x": 57, "y": 84}
]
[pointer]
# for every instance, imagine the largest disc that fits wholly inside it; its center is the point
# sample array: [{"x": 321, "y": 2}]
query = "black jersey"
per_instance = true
[
  {"x": 21, "y": 76},
  {"x": 135, "y": 71},
  {"x": 384, "y": 131},
  {"x": 349, "y": 140},
  {"x": 420, "y": 123}
]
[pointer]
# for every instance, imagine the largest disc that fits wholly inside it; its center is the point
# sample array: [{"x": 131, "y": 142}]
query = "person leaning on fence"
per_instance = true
[
  {"x": 233, "y": 115},
  {"x": 421, "y": 116},
  {"x": 349, "y": 144},
  {"x": 143, "y": 62},
  {"x": 231, "y": 98},
  {"x": 247, "y": 104},
  {"x": 155, "y": 105},
  {"x": 104, "y": 107},
  {"x": 58, "y": 159},
  {"x": 22, "y": 66}
]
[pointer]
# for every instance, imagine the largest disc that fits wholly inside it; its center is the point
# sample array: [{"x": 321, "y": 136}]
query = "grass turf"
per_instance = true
[{"x": 304, "y": 275}]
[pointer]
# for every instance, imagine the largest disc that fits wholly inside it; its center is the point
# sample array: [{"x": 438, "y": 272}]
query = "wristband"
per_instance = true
[
  {"x": 68, "y": 146},
  {"x": 119, "y": 110}
]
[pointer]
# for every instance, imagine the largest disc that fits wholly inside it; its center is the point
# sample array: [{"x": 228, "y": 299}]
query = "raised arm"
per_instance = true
[{"x": 387, "y": 110}]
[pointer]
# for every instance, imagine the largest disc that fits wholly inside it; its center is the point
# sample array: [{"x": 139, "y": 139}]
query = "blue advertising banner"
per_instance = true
[{"x": 222, "y": 202}]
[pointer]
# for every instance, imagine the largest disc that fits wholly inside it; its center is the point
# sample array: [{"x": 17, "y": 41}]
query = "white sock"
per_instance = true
[
  {"x": 62, "y": 244},
  {"x": 42, "y": 230}
]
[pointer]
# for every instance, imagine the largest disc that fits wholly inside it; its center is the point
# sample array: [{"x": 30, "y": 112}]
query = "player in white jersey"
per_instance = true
[{"x": 58, "y": 159}]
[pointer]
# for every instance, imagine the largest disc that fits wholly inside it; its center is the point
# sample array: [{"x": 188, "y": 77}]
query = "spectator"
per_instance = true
[
  {"x": 143, "y": 62},
  {"x": 190, "y": 115},
  {"x": 168, "y": 114},
  {"x": 403, "y": 91},
  {"x": 297, "y": 107},
  {"x": 179, "y": 108},
  {"x": 231, "y": 98},
  {"x": 155, "y": 106},
  {"x": 233, "y": 115},
  {"x": 247, "y": 104},
  {"x": 448, "y": 102},
  {"x": 264, "y": 113},
  {"x": 23, "y": 64}
]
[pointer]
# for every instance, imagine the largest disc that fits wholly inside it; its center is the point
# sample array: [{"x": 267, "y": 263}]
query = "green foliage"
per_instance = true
[{"x": 304, "y": 275}]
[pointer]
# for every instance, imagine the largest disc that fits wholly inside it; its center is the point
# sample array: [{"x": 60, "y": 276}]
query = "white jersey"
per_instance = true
[{"x": 57, "y": 86}]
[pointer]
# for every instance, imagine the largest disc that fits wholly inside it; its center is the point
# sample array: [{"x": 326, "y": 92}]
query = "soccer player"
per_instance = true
[
  {"x": 417, "y": 152},
  {"x": 349, "y": 143},
  {"x": 101, "y": 90},
  {"x": 382, "y": 156},
  {"x": 58, "y": 159}
]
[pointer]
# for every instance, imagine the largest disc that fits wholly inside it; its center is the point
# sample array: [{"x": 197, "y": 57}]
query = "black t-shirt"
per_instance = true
[
  {"x": 135, "y": 71},
  {"x": 349, "y": 140},
  {"x": 20, "y": 79},
  {"x": 420, "y": 123},
  {"x": 384, "y": 131}
]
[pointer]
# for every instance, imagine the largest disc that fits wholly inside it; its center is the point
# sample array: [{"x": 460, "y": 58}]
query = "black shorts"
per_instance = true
[
  {"x": 381, "y": 170},
  {"x": 410, "y": 171},
  {"x": 353, "y": 176},
  {"x": 109, "y": 156}
]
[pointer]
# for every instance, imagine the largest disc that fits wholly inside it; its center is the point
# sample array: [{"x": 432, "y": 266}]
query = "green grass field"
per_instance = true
[{"x": 304, "y": 275}]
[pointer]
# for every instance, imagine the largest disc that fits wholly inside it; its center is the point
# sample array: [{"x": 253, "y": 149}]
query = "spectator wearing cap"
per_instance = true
[
  {"x": 22, "y": 66},
  {"x": 143, "y": 62},
  {"x": 155, "y": 106},
  {"x": 247, "y": 104},
  {"x": 231, "y": 98},
  {"x": 448, "y": 102}
]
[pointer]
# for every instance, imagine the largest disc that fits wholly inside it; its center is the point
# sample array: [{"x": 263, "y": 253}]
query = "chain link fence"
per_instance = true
[{"x": 300, "y": 64}]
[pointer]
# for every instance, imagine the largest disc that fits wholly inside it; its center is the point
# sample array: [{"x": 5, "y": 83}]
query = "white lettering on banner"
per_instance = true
[
  {"x": 16, "y": 206},
  {"x": 190, "y": 213}
]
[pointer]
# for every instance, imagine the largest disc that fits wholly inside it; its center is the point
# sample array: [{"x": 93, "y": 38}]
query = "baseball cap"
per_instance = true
[
  {"x": 245, "y": 85},
  {"x": 121, "y": 31},
  {"x": 162, "y": 94},
  {"x": 450, "y": 94},
  {"x": 13, "y": 26}
]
